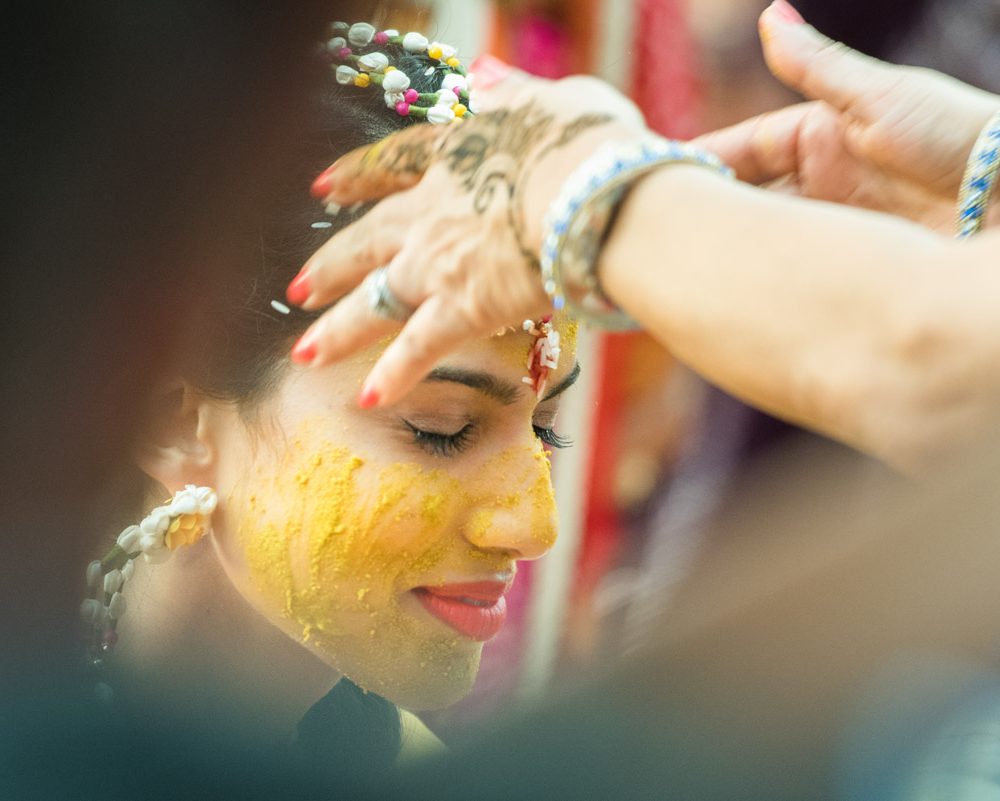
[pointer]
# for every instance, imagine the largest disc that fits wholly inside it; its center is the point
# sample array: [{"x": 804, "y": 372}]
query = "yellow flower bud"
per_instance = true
[{"x": 184, "y": 530}]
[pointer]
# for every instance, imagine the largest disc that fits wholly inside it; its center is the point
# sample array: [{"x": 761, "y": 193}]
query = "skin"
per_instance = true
[
  {"x": 878, "y": 345},
  {"x": 329, "y": 515}
]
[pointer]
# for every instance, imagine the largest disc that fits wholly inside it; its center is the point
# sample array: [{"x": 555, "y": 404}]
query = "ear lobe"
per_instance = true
[{"x": 175, "y": 448}]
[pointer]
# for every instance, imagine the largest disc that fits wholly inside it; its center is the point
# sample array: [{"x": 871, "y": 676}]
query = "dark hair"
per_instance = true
[{"x": 248, "y": 341}]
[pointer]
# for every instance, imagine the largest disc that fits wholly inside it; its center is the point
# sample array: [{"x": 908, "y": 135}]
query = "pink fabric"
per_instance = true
[
  {"x": 542, "y": 47},
  {"x": 665, "y": 85}
]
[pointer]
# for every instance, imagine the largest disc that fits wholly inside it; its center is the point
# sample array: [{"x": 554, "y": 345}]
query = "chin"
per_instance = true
[{"x": 434, "y": 676}]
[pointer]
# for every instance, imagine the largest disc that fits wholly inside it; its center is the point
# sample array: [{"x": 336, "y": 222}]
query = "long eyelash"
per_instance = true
[
  {"x": 551, "y": 438},
  {"x": 438, "y": 444}
]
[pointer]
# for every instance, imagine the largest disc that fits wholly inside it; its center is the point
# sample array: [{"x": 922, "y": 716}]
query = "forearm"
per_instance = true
[{"x": 854, "y": 324}]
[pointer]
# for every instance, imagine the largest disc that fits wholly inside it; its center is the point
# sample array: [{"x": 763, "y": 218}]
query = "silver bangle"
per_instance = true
[
  {"x": 980, "y": 180},
  {"x": 578, "y": 221}
]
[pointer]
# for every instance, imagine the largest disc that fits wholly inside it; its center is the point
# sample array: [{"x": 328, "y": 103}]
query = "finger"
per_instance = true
[
  {"x": 435, "y": 330},
  {"x": 822, "y": 69},
  {"x": 352, "y": 253},
  {"x": 348, "y": 327},
  {"x": 763, "y": 148},
  {"x": 391, "y": 165}
]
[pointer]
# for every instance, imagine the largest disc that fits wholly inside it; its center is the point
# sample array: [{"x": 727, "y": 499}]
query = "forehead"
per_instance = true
[{"x": 507, "y": 351}]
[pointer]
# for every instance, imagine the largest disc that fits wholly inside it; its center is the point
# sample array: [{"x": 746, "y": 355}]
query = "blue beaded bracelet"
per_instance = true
[
  {"x": 578, "y": 221},
  {"x": 980, "y": 180}
]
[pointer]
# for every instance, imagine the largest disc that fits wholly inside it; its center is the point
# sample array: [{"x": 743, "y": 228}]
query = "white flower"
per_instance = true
[
  {"x": 90, "y": 611},
  {"x": 447, "y": 51},
  {"x": 113, "y": 581},
  {"x": 440, "y": 115},
  {"x": 336, "y": 43},
  {"x": 128, "y": 569},
  {"x": 473, "y": 102},
  {"x": 415, "y": 42},
  {"x": 339, "y": 27},
  {"x": 392, "y": 98},
  {"x": 207, "y": 500},
  {"x": 396, "y": 81},
  {"x": 151, "y": 541},
  {"x": 374, "y": 62},
  {"x": 184, "y": 503},
  {"x": 93, "y": 574},
  {"x": 453, "y": 80},
  {"x": 345, "y": 74},
  {"x": 391, "y": 32},
  {"x": 360, "y": 34},
  {"x": 128, "y": 540},
  {"x": 116, "y": 606}
]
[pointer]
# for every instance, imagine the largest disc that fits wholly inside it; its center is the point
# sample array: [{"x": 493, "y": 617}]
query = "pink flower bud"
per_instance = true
[
  {"x": 411, "y": 96},
  {"x": 403, "y": 108}
]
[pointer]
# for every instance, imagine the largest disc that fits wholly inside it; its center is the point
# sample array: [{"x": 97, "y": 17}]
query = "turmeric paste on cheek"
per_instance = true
[{"x": 344, "y": 541}]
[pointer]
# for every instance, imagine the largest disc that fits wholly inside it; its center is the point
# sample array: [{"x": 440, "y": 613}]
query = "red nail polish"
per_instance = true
[
  {"x": 299, "y": 290},
  {"x": 489, "y": 70},
  {"x": 368, "y": 398},
  {"x": 787, "y": 12},
  {"x": 305, "y": 351},
  {"x": 323, "y": 184}
]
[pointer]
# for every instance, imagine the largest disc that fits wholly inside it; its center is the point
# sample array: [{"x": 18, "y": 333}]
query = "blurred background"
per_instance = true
[{"x": 660, "y": 457}]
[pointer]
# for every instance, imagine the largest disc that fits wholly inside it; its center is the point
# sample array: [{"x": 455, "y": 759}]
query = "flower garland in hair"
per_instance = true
[
  {"x": 183, "y": 520},
  {"x": 450, "y": 104}
]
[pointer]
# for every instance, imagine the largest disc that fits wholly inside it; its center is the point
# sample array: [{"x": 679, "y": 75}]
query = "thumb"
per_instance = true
[{"x": 820, "y": 68}]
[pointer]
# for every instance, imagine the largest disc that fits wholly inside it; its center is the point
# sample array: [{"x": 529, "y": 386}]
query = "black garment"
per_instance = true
[{"x": 350, "y": 730}]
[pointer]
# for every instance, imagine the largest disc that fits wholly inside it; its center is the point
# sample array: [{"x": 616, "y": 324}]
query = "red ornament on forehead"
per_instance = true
[{"x": 543, "y": 355}]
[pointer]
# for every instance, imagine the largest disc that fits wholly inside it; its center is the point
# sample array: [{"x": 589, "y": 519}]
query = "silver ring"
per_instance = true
[{"x": 382, "y": 301}]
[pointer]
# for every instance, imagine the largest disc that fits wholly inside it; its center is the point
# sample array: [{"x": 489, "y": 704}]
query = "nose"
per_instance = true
[{"x": 518, "y": 516}]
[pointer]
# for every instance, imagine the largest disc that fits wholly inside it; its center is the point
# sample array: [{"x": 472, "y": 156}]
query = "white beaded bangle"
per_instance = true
[
  {"x": 578, "y": 220},
  {"x": 980, "y": 179}
]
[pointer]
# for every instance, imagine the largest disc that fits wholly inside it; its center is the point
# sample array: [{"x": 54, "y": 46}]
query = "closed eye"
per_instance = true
[
  {"x": 551, "y": 438},
  {"x": 438, "y": 443}
]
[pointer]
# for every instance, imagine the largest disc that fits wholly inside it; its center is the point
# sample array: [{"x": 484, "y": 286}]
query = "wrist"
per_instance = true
[
  {"x": 579, "y": 220},
  {"x": 545, "y": 177}
]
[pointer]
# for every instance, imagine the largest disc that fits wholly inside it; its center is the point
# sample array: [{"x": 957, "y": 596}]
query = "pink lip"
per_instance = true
[{"x": 476, "y": 610}]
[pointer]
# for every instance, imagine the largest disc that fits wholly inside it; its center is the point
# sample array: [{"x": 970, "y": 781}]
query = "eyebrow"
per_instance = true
[
  {"x": 494, "y": 387},
  {"x": 490, "y": 385}
]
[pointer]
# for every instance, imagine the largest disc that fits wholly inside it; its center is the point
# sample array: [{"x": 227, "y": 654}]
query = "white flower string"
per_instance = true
[
  {"x": 449, "y": 104},
  {"x": 183, "y": 520},
  {"x": 544, "y": 354}
]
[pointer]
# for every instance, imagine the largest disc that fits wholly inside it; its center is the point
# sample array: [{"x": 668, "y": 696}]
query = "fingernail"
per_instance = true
[
  {"x": 323, "y": 184},
  {"x": 299, "y": 290},
  {"x": 305, "y": 349},
  {"x": 786, "y": 11},
  {"x": 368, "y": 398},
  {"x": 489, "y": 71}
]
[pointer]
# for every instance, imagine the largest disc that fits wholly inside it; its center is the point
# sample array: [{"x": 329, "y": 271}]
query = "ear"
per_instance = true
[{"x": 177, "y": 445}]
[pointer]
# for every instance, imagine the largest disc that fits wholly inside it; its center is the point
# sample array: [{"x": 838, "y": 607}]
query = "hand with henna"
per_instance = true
[
  {"x": 459, "y": 226},
  {"x": 878, "y": 136}
]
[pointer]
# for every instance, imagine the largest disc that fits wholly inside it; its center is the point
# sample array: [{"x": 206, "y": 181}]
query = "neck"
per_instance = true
[{"x": 195, "y": 649}]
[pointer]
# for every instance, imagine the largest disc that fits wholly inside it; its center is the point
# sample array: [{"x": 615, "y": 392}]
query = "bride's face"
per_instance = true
[{"x": 384, "y": 540}]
